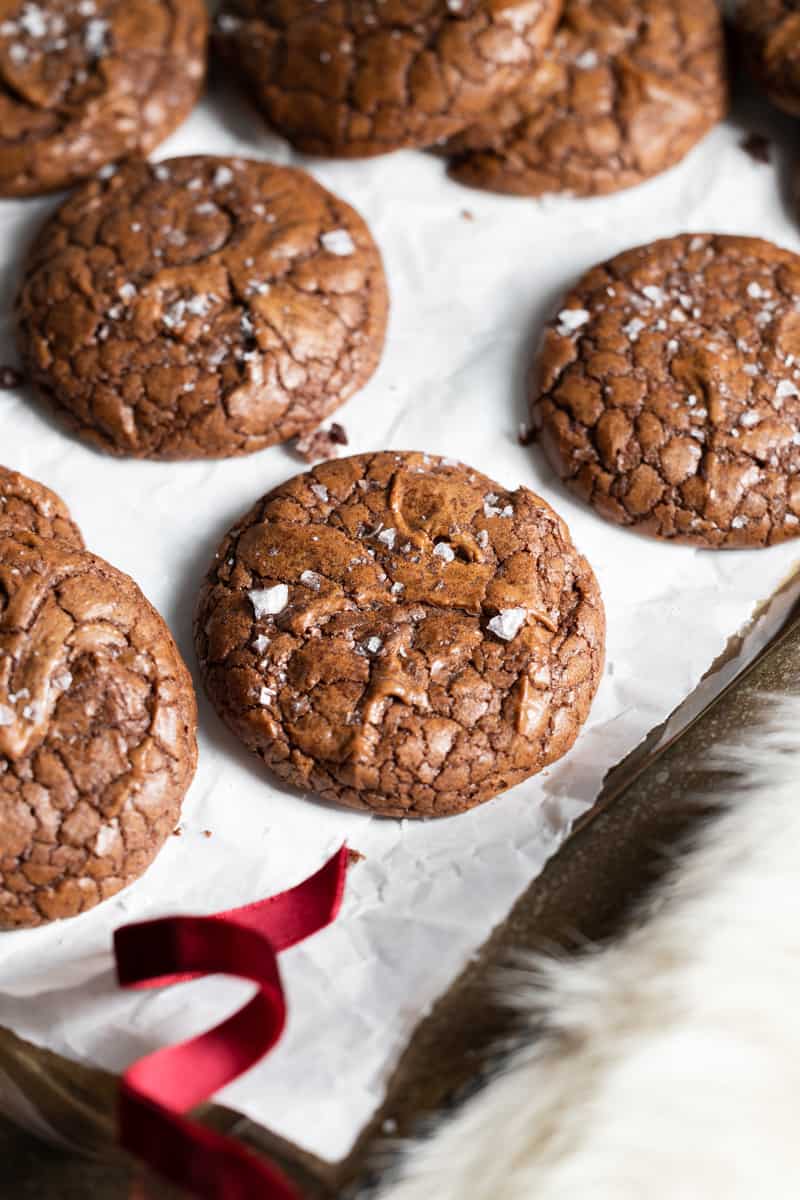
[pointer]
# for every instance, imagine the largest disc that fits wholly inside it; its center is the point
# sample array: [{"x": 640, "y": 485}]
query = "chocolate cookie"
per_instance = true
[
  {"x": 26, "y": 505},
  {"x": 97, "y": 731},
  {"x": 668, "y": 390},
  {"x": 201, "y": 308},
  {"x": 85, "y": 82},
  {"x": 770, "y": 36},
  {"x": 397, "y": 633},
  {"x": 360, "y": 77},
  {"x": 626, "y": 90}
]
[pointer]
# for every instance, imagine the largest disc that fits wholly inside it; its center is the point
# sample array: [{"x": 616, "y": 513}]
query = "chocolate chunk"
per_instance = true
[
  {"x": 85, "y": 84},
  {"x": 97, "y": 731},
  {"x": 361, "y": 79},
  {"x": 667, "y": 393},
  {"x": 224, "y": 306},
  {"x": 398, "y": 633},
  {"x": 625, "y": 91}
]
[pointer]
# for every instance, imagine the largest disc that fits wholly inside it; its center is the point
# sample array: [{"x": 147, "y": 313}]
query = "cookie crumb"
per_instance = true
[
  {"x": 354, "y": 856},
  {"x": 526, "y": 434},
  {"x": 10, "y": 377},
  {"x": 206, "y": 833},
  {"x": 466, "y": 215},
  {"x": 321, "y": 444},
  {"x": 758, "y": 146}
]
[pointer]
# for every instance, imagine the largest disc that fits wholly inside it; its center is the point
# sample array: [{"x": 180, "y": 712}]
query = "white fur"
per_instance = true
[{"x": 670, "y": 1069}]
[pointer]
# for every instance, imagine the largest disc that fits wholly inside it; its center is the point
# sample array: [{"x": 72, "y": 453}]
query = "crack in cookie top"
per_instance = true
[
  {"x": 625, "y": 91},
  {"x": 667, "y": 393},
  {"x": 770, "y": 35},
  {"x": 97, "y": 730},
  {"x": 361, "y": 77},
  {"x": 400, "y": 634},
  {"x": 84, "y": 82},
  {"x": 28, "y": 506},
  {"x": 201, "y": 307}
]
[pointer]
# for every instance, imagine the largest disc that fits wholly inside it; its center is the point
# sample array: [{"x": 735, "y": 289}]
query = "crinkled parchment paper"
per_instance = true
[{"x": 472, "y": 277}]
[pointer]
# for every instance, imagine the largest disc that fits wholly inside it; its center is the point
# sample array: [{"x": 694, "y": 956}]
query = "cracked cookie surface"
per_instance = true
[
  {"x": 667, "y": 392},
  {"x": 83, "y": 84},
  {"x": 624, "y": 92},
  {"x": 28, "y": 506},
  {"x": 398, "y": 633},
  {"x": 97, "y": 731},
  {"x": 201, "y": 307},
  {"x": 353, "y": 78},
  {"x": 770, "y": 36}
]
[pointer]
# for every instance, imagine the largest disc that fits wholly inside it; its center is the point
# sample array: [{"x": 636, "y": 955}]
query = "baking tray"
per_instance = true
[{"x": 586, "y": 892}]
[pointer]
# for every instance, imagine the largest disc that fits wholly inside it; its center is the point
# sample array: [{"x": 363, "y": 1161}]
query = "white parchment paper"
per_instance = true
[{"x": 471, "y": 277}]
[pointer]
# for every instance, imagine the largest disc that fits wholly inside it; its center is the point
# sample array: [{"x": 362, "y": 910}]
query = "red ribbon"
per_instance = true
[{"x": 156, "y": 1091}]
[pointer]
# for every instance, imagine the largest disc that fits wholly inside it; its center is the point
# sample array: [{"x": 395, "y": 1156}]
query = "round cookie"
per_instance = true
[
  {"x": 201, "y": 307},
  {"x": 399, "y": 634},
  {"x": 353, "y": 78},
  {"x": 667, "y": 392},
  {"x": 625, "y": 91},
  {"x": 770, "y": 37},
  {"x": 84, "y": 83},
  {"x": 26, "y": 505},
  {"x": 97, "y": 731}
]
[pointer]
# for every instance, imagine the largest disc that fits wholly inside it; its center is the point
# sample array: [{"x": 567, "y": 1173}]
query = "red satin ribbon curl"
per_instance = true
[{"x": 156, "y": 1091}]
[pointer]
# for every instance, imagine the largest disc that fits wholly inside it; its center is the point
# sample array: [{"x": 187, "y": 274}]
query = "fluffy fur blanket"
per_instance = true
[{"x": 665, "y": 1066}]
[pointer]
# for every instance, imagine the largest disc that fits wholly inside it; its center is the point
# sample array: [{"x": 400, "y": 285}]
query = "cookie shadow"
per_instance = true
[
  {"x": 753, "y": 115},
  {"x": 240, "y": 117}
]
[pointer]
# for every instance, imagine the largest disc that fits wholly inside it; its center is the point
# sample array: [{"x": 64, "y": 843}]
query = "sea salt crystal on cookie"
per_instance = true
[
  {"x": 95, "y": 36},
  {"x": 33, "y": 21},
  {"x": 388, "y": 537},
  {"x": 107, "y": 835},
  {"x": 570, "y": 320},
  {"x": 312, "y": 580},
  {"x": 338, "y": 242},
  {"x": 269, "y": 601},
  {"x": 508, "y": 622},
  {"x": 320, "y": 491},
  {"x": 444, "y": 551}
]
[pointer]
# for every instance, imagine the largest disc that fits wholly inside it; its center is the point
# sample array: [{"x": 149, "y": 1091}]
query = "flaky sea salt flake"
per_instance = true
[
  {"x": 338, "y": 242},
  {"x": 269, "y": 601},
  {"x": 508, "y": 622},
  {"x": 570, "y": 320}
]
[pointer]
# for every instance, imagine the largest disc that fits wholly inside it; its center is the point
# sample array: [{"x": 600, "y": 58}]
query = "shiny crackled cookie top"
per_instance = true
[
  {"x": 361, "y": 77},
  {"x": 201, "y": 307},
  {"x": 667, "y": 393},
  {"x": 97, "y": 730},
  {"x": 83, "y": 82},
  {"x": 397, "y": 632},
  {"x": 28, "y": 506},
  {"x": 624, "y": 92},
  {"x": 769, "y": 32}
]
